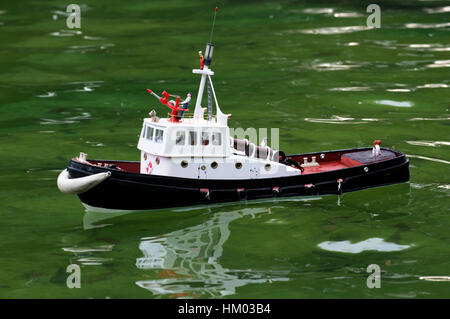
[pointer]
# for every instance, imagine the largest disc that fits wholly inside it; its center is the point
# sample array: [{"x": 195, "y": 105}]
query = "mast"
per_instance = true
[
  {"x": 206, "y": 77},
  {"x": 205, "y": 72},
  {"x": 208, "y": 82},
  {"x": 210, "y": 115}
]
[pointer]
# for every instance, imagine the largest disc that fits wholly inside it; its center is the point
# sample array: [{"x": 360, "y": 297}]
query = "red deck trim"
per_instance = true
[{"x": 349, "y": 161}]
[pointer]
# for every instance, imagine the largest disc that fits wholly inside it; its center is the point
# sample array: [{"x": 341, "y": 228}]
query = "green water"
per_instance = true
[{"x": 289, "y": 65}]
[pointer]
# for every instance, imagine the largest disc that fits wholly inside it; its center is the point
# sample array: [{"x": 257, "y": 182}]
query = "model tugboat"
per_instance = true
[{"x": 193, "y": 161}]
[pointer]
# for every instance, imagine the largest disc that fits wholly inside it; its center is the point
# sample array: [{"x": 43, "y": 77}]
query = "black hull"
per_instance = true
[{"x": 132, "y": 191}]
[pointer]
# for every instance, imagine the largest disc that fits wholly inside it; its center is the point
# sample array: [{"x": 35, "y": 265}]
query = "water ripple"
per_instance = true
[
  {"x": 430, "y": 119},
  {"x": 351, "y": 89},
  {"x": 67, "y": 120},
  {"x": 377, "y": 244},
  {"x": 437, "y": 160},
  {"x": 395, "y": 103},
  {"x": 88, "y": 48},
  {"x": 89, "y": 249},
  {"x": 347, "y": 15},
  {"x": 335, "y": 119},
  {"x": 433, "y": 86},
  {"x": 426, "y": 25},
  {"x": 49, "y": 94},
  {"x": 439, "y": 64},
  {"x": 428, "y": 47},
  {"x": 319, "y": 10},
  {"x": 333, "y": 30},
  {"x": 66, "y": 33},
  {"x": 435, "y": 278},
  {"x": 331, "y": 11},
  {"x": 437, "y": 10},
  {"x": 428, "y": 143},
  {"x": 331, "y": 66}
]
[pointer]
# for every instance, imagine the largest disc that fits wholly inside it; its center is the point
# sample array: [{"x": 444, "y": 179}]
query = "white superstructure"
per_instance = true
[{"x": 202, "y": 148}]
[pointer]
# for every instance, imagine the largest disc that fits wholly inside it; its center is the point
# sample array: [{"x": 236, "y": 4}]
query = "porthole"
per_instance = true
[
  {"x": 238, "y": 165},
  {"x": 203, "y": 167},
  {"x": 267, "y": 167},
  {"x": 322, "y": 156},
  {"x": 214, "y": 165},
  {"x": 184, "y": 164},
  {"x": 157, "y": 160}
]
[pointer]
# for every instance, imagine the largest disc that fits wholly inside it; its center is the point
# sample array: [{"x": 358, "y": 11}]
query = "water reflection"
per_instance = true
[{"x": 188, "y": 260}]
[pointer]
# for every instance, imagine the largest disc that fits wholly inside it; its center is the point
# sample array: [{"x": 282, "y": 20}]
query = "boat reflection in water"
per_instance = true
[{"x": 188, "y": 260}]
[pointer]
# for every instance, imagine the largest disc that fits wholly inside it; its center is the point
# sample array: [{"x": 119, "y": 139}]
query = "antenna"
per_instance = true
[{"x": 214, "y": 21}]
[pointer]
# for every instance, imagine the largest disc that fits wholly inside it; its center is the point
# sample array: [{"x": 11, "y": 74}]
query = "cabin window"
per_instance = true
[
  {"x": 180, "y": 138},
  {"x": 205, "y": 138},
  {"x": 216, "y": 138},
  {"x": 149, "y": 133},
  {"x": 159, "y": 135},
  {"x": 192, "y": 138}
]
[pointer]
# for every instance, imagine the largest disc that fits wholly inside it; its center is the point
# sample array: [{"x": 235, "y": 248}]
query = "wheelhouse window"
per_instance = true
[
  {"x": 159, "y": 135},
  {"x": 149, "y": 133},
  {"x": 192, "y": 138},
  {"x": 180, "y": 138},
  {"x": 216, "y": 138},
  {"x": 205, "y": 138}
]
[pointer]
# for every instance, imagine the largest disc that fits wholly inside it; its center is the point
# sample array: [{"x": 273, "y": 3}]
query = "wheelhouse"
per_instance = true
[{"x": 167, "y": 139}]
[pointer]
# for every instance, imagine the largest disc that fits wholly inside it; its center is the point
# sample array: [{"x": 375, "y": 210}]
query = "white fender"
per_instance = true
[{"x": 79, "y": 185}]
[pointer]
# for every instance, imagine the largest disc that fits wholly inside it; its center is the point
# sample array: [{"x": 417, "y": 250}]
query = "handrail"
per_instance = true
[{"x": 191, "y": 115}]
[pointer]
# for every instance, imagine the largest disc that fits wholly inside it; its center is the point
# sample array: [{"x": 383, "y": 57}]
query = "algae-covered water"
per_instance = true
[{"x": 310, "y": 68}]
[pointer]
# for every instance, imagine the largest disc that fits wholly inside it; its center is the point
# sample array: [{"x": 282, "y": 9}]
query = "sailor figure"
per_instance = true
[
  {"x": 201, "y": 59},
  {"x": 185, "y": 104},
  {"x": 376, "y": 148}
]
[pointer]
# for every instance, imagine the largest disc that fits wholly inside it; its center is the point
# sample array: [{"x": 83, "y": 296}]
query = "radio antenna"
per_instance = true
[{"x": 214, "y": 21}]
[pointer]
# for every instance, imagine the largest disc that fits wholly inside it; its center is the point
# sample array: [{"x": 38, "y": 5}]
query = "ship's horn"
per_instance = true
[{"x": 79, "y": 185}]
